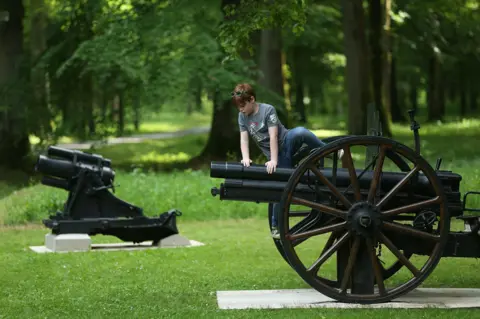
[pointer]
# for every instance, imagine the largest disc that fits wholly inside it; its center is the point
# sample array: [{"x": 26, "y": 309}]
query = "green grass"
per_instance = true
[
  {"x": 154, "y": 154},
  {"x": 174, "y": 283},
  {"x": 171, "y": 122},
  {"x": 162, "y": 122}
]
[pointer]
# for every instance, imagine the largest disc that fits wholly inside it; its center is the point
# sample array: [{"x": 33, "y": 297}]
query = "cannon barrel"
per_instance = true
[
  {"x": 258, "y": 191},
  {"x": 55, "y": 182},
  {"x": 257, "y": 172},
  {"x": 64, "y": 170},
  {"x": 55, "y": 151},
  {"x": 254, "y": 184}
]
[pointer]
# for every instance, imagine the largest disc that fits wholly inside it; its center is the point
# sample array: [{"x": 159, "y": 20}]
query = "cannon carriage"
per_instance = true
[
  {"x": 92, "y": 207},
  {"x": 364, "y": 229}
]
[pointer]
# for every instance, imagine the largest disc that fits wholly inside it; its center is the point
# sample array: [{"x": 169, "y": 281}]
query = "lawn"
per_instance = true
[
  {"x": 181, "y": 283},
  {"x": 163, "y": 122},
  {"x": 173, "y": 283},
  {"x": 171, "y": 122}
]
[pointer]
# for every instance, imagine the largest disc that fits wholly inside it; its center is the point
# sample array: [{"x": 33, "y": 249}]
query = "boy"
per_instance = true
[{"x": 260, "y": 121}]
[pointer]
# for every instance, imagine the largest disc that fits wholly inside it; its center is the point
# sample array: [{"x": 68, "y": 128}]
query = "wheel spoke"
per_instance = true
[
  {"x": 348, "y": 161},
  {"x": 410, "y": 231},
  {"x": 377, "y": 268},
  {"x": 304, "y": 225},
  {"x": 331, "y": 239},
  {"x": 323, "y": 258},
  {"x": 412, "y": 207},
  {"x": 397, "y": 187},
  {"x": 299, "y": 213},
  {"x": 351, "y": 262},
  {"x": 376, "y": 175},
  {"x": 401, "y": 257},
  {"x": 320, "y": 207},
  {"x": 314, "y": 232},
  {"x": 332, "y": 187}
]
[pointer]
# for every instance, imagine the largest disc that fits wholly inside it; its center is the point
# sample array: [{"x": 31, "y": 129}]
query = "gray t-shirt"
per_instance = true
[{"x": 257, "y": 126}]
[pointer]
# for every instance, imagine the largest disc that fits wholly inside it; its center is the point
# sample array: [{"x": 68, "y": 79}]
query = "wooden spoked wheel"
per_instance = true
[
  {"x": 312, "y": 219},
  {"x": 369, "y": 212}
]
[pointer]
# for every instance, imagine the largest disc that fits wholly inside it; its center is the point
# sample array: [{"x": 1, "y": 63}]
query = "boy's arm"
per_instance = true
[
  {"x": 244, "y": 141},
  {"x": 272, "y": 164},
  {"x": 272, "y": 123},
  {"x": 244, "y": 148},
  {"x": 273, "y": 132}
]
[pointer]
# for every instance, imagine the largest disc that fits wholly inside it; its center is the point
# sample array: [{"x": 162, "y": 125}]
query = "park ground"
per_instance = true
[{"x": 182, "y": 283}]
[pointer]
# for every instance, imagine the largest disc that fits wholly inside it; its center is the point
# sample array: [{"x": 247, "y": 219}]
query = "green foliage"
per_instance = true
[
  {"x": 253, "y": 15},
  {"x": 157, "y": 55}
]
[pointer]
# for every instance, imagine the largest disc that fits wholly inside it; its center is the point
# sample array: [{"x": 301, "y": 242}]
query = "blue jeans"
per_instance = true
[{"x": 293, "y": 140}]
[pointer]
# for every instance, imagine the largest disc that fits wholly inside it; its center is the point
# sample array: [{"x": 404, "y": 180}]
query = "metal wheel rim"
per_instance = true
[{"x": 402, "y": 165}]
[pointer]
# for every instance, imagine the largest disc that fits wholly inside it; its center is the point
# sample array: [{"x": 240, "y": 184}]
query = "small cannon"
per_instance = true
[
  {"x": 90, "y": 207},
  {"x": 337, "y": 215}
]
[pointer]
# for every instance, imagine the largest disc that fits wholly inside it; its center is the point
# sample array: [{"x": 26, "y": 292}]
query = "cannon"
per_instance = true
[
  {"x": 364, "y": 229},
  {"x": 91, "y": 208}
]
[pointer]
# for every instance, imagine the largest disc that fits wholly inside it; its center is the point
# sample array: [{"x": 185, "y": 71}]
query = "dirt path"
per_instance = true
[{"x": 135, "y": 138}]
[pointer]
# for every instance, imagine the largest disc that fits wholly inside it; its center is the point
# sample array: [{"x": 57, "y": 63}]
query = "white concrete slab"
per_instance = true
[
  {"x": 310, "y": 298},
  {"x": 174, "y": 241}
]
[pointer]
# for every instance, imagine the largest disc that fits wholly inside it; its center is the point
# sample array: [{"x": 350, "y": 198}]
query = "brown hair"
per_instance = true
[{"x": 242, "y": 93}]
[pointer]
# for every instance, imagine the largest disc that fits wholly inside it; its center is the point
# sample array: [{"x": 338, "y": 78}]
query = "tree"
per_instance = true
[
  {"x": 224, "y": 137},
  {"x": 14, "y": 139},
  {"x": 357, "y": 65}
]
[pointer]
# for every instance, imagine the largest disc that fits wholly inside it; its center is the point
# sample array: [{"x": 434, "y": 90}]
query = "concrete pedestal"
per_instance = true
[
  {"x": 67, "y": 242},
  {"x": 83, "y": 243}
]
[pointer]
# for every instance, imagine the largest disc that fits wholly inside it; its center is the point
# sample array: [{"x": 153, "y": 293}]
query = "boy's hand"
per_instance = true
[
  {"x": 246, "y": 162},
  {"x": 271, "y": 166}
]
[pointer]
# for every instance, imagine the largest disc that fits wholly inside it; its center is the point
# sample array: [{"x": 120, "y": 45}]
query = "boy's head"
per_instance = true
[{"x": 243, "y": 96}]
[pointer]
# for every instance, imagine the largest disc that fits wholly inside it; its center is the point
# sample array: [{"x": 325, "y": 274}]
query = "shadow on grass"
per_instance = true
[{"x": 155, "y": 155}]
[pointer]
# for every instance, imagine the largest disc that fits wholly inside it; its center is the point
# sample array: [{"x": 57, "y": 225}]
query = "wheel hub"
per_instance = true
[{"x": 364, "y": 219}]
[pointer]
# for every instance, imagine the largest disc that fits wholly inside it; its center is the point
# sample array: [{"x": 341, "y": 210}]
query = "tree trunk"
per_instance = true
[
  {"x": 377, "y": 63},
  {"x": 433, "y": 92},
  {"x": 299, "y": 86},
  {"x": 357, "y": 65},
  {"x": 397, "y": 114},
  {"x": 14, "y": 141},
  {"x": 103, "y": 108},
  {"x": 272, "y": 77},
  {"x": 473, "y": 98},
  {"x": 413, "y": 96},
  {"x": 463, "y": 100},
  {"x": 389, "y": 83},
  {"x": 224, "y": 137},
  {"x": 441, "y": 97},
  {"x": 121, "y": 114},
  {"x": 114, "y": 109},
  {"x": 315, "y": 95},
  {"x": 89, "y": 104},
  {"x": 136, "y": 111},
  {"x": 38, "y": 44},
  {"x": 198, "y": 96}
]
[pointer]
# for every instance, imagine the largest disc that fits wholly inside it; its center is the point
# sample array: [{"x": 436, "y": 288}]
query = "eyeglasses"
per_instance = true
[{"x": 237, "y": 93}]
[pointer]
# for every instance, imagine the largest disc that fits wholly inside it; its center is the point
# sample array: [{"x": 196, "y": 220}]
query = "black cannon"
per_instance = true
[
  {"x": 364, "y": 229},
  {"x": 91, "y": 208}
]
